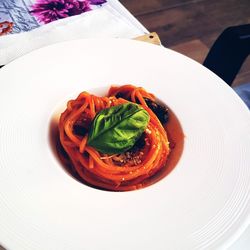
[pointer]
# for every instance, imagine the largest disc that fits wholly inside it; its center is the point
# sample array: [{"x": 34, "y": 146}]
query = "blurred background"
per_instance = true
[{"x": 191, "y": 26}]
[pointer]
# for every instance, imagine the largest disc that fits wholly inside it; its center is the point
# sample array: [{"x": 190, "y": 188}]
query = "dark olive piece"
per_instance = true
[
  {"x": 123, "y": 96},
  {"x": 140, "y": 143},
  {"x": 120, "y": 95},
  {"x": 79, "y": 130},
  {"x": 160, "y": 110}
]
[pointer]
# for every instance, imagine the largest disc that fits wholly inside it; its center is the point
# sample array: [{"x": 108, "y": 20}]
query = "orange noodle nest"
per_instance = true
[{"x": 119, "y": 172}]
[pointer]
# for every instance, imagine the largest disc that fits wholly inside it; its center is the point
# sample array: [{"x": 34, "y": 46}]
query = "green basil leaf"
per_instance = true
[{"x": 116, "y": 129}]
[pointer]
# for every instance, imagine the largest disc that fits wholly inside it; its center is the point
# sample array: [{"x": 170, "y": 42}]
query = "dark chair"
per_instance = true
[
  {"x": 227, "y": 55},
  {"x": 229, "y": 52}
]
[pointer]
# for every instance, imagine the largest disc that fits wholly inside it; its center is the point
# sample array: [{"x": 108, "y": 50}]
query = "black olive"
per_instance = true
[
  {"x": 140, "y": 143},
  {"x": 123, "y": 96},
  {"x": 78, "y": 129},
  {"x": 161, "y": 111},
  {"x": 119, "y": 95}
]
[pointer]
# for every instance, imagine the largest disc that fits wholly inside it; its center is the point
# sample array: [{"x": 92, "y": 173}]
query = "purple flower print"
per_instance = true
[
  {"x": 96, "y": 2},
  {"x": 47, "y": 11}
]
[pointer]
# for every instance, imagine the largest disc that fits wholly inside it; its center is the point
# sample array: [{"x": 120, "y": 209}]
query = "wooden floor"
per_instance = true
[{"x": 191, "y": 26}]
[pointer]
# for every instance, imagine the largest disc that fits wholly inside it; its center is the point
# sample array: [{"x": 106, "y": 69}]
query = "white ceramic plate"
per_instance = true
[{"x": 202, "y": 204}]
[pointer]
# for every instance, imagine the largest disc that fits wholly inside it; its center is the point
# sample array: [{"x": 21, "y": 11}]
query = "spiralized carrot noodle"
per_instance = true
[{"x": 130, "y": 170}]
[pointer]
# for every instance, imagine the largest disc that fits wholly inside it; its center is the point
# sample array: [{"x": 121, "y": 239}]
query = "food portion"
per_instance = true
[{"x": 117, "y": 142}]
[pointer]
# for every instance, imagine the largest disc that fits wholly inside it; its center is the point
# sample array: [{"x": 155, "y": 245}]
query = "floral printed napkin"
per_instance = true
[
  {"x": 24, "y": 15},
  {"x": 37, "y": 23}
]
